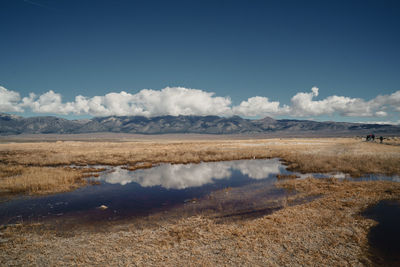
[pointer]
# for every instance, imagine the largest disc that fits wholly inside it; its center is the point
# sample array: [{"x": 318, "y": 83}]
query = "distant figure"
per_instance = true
[
  {"x": 381, "y": 139},
  {"x": 373, "y": 137}
]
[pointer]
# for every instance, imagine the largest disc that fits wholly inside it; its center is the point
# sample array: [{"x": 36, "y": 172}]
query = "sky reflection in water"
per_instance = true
[
  {"x": 181, "y": 176},
  {"x": 138, "y": 193},
  {"x": 141, "y": 192}
]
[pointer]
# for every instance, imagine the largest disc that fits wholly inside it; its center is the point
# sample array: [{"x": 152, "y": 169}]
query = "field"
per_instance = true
[
  {"x": 44, "y": 167},
  {"x": 327, "y": 230}
]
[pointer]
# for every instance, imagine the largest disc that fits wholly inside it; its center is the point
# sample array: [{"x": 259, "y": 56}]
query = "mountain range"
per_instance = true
[{"x": 12, "y": 125}]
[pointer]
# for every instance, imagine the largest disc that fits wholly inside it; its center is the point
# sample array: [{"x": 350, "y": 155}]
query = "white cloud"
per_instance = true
[
  {"x": 9, "y": 101},
  {"x": 180, "y": 101},
  {"x": 260, "y": 106},
  {"x": 184, "y": 101},
  {"x": 170, "y": 100},
  {"x": 392, "y": 100},
  {"x": 49, "y": 102},
  {"x": 304, "y": 105}
]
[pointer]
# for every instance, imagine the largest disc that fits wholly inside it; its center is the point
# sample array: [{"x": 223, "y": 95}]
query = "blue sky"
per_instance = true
[{"x": 238, "y": 50}]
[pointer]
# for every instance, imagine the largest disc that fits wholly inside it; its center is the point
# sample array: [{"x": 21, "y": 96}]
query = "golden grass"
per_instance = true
[
  {"x": 287, "y": 176},
  {"x": 327, "y": 231},
  {"x": 145, "y": 165},
  {"x": 306, "y": 155},
  {"x": 38, "y": 180}
]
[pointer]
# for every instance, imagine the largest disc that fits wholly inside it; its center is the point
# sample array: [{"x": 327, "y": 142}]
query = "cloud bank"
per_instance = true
[{"x": 185, "y": 101}]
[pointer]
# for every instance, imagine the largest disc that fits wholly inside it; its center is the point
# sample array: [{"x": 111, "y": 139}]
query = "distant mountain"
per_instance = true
[{"x": 11, "y": 124}]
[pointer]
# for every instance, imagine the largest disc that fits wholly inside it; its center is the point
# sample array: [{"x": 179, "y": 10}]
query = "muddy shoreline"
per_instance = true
[{"x": 326, "y": 230}]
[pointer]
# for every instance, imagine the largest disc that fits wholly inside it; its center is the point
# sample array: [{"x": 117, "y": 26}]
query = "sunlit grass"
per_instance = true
[
  {"x": 38, "y": 180},
  {"x": 24, "y": 167},
  {"x": 327, "y": 231}
]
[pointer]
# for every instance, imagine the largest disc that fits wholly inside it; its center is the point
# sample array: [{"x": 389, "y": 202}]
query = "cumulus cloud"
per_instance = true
[
  {"x": 184, "y": 101},
  {"x": 304, "y": 105},
  {"x": 170, "y": 100},
  {"x": 256, "y": 106},
  {"x": 392, "y": 100},
  {"x": 9, "y": 101},
  {"x": 49, "y": 102}
]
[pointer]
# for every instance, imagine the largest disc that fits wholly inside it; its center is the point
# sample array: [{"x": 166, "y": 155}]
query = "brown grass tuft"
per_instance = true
[
  {"x": 39, "y": 180},
  {"x": 287, "y": 176}
]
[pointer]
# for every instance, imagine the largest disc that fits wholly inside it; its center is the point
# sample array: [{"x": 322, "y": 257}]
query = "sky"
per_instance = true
[{"x": 320, "y": 60}]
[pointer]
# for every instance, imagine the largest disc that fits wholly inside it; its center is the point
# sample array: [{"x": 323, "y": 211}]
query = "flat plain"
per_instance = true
[{"x": 326, "y": 230}]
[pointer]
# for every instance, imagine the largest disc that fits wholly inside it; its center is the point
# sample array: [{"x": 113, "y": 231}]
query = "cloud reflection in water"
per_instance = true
[{"x": 181, "y": 176}]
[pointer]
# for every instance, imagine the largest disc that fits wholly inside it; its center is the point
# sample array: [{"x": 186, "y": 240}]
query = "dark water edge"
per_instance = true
[
  {"x": 384, "y": 238},
  {"x": 130, "y": 194},
  {"x": 231, "y": 190}
]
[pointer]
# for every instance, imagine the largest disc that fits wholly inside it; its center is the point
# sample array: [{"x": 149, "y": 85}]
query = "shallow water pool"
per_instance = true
[
  {"x": 141, "y": 192},
  {"x": 228, "y": 188}
]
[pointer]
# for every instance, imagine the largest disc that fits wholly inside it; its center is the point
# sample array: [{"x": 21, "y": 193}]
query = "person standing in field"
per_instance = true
[{"x": 381, "y": 139}]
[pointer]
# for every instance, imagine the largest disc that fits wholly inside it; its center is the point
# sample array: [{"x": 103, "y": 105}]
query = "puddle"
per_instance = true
[
  {"x": 183, "y": 176},
  {"x": 384, "y": 237},
  {"x": 230, "y": 189},
  {"x": 340, "y": 175},
  {"x": 127, "y": 194}
]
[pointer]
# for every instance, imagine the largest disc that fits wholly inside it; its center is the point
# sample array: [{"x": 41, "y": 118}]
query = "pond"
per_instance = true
[
  {"x": 136, "y": 193},
  {"x": 225, "y": 189}
]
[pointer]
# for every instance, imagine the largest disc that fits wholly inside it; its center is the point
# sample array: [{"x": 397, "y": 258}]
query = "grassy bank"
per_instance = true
[
  {"x": 326, "y": 231},
  {"x": 24, "y": 167}
]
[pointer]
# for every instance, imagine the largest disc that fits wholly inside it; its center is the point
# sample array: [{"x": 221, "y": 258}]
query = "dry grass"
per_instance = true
[
  {"x": 144, "y": 165},
  {"x": 38, "y": 180},
  {"x": 307, "y": 155},
  {"x": 287, "y": 176},
  {"x": 325, "y": 232}
]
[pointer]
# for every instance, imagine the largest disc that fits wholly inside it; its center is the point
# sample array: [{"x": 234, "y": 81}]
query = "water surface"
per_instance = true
[
  {"x": 384, "y": 238},
  {"x": 230, "y": 188},
  {"x": 137, "y": 193}
]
